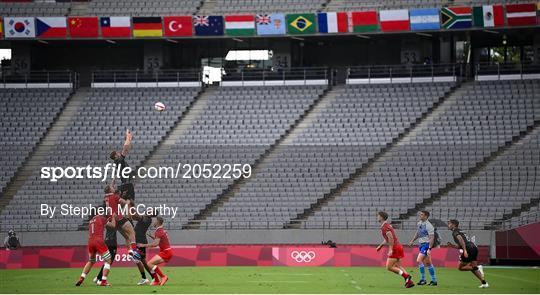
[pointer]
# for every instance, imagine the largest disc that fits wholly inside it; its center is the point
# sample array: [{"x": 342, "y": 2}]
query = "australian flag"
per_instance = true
[{"x": 208, "y": 25}]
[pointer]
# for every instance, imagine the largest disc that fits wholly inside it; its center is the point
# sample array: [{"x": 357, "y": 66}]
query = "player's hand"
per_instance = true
[
  {"x": 410, "y": 243},
  {"x": 378, "y": 248},
  {"x": 465, "y": 254},
  {"x": 140, "y": 245}
]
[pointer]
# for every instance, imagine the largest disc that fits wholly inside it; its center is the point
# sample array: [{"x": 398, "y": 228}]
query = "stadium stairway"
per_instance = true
[
  {"x": 443, "y": 191},
  {"x": 424, "y": 119},
  {"x": 328, "y": 96},
  {"x": 44, "y": 147},
  {"x": 206, "y": 7}
]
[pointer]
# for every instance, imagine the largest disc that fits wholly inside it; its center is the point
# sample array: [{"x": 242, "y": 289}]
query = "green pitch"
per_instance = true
[{"x": 270, "y": 280}]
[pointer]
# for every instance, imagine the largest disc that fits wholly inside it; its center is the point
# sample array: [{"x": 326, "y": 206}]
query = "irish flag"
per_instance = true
[
  {"x": 365, "y": 21},
  {"x": 240, "y": 25},
  {"x": 394, "y": 20},
  {"x": 521, "y": 14},
  {"x": 488, "y": 16}
]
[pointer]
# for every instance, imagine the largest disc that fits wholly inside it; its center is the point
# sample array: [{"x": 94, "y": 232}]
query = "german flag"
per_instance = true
[{"x": 147, "y": 27}]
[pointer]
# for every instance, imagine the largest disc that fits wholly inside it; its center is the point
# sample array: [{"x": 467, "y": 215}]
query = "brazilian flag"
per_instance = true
[{"x": 301, "y": 23}]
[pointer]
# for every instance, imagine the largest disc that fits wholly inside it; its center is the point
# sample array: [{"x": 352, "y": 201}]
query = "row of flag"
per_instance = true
[{"x": 486, "y": 16}]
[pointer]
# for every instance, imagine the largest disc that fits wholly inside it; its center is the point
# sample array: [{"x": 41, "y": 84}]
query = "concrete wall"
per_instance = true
[{"x": 192, "y": 237}]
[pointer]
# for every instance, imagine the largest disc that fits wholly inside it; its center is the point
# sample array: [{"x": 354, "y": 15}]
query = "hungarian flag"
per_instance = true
[
  {"x": 147, "y": 27},
  {"x": 333, "y": 22},
  {"x": 301, "y": 23},
  {"x": 456, "y": 17},
  {"x": 240, "y": 25},
  {"x": 177, "y": 26},
  {"x": 51, "y": 27},
  {"x": 83, "y": 27},
  {"x": 394, "y": 20},
  {"x": 365, "y": 21},
  {"x": 488, "y": 16},
  {"x": 115, "y": 26},
  {"x": 521, "y": 14}
]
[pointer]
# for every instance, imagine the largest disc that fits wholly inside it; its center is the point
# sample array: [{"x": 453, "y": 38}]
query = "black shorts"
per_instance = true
[
  {"x": 120, "y": 223},
  {"x": 472, "y": 255},
  {"x": 127, "y": 191}
]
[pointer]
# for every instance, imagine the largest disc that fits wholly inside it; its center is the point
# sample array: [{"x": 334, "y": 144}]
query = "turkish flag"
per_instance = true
[
  {"x": 177, "y": 26},
  {"x": 83, "y": 27}
]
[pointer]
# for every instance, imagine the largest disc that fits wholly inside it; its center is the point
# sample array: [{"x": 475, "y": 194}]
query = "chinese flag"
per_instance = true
[{"x": 83, "y": 27}]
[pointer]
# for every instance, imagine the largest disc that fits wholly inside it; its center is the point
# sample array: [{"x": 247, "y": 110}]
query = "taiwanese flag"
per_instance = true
[
  {"x": 147, "y": 27},
  {"x": 83, "y": 27},
  {"x": 115, "y": 26},
  {"x": 521, "y": 14},
  {"x": 177, "y": 26}
]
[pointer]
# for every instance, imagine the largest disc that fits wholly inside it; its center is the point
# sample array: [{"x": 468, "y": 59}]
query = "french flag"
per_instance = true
[{"x": 333, "y": 22}]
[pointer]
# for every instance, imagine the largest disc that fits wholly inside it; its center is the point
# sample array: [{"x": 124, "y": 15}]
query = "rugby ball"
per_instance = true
[{"x": 159, "y": 106}]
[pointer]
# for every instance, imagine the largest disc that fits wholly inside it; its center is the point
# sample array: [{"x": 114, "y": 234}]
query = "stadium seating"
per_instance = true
[
  {"x": 345, "y": 134},
  {"x": 236, "y": 127},
  {"x": 97, "y": 129},
  {"x": 475, "y": 125},
  {"x": 35, "y": 9},
  {"x": 25, "y": 115},
  {"x": 143, "y": 7},
  {"x": 266, "y": 6}
]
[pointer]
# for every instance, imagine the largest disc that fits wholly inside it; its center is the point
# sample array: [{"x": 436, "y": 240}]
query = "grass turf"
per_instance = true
[{"x": 270, "y": 280}]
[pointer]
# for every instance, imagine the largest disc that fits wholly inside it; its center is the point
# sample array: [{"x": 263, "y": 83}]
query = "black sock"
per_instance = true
[
  {"x": 484, "y": 282},
  {"x": 143, "y": 274},
  {"x": 100, "y": 273}
]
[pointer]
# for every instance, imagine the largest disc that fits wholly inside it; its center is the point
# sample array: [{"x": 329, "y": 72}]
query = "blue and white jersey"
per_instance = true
[{"x": 425, "y": 228}]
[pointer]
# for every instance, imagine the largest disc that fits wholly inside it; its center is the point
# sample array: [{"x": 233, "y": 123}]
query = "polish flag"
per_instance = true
[{"x": 394, "y": 20}]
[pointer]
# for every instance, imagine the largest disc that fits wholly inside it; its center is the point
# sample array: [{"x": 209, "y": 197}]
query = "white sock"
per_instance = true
[
  {"x": 103, "y": 278},
  {"x": 83, "y": 275},
  {"x": 400, "y": 272}
]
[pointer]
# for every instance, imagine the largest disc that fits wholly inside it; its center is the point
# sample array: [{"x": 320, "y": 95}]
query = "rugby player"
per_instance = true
[
  {"x": 97, "y": 245},
  {"x": 395, "y": 249},
  {"x": 160, "y": 238},
  {"x": 141, "y": 228},
  {"x": 468, "y": 259}
]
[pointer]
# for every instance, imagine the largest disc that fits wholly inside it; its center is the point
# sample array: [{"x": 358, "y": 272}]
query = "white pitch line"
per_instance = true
[
  {"x": 277, "y": 281},
  {"x": 510, "y": 277},
  {"x": 285, "y": 274}
]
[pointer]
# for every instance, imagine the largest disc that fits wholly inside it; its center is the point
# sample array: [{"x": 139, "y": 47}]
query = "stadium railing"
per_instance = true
[
  {"x": 280, "y": 76},
  {"x": 404, "y": 73},
  {"x": 505, "y": 71},
  {"x": 521, "y": 220},
  {"x": 41, "y": 79},
  {"x": 114, "y": 78}
]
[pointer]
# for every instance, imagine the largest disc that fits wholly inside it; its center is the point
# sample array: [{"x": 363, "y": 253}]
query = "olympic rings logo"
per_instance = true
[{"x": 303, "y": 256}]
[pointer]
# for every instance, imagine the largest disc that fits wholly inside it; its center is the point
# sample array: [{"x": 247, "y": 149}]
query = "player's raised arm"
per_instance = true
[{"x": 127, "y": 143}]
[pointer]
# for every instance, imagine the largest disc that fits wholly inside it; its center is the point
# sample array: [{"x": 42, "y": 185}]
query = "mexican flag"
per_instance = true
[
  {"x": 488, "y": 16},
  {"x": 240, "y": 25}
]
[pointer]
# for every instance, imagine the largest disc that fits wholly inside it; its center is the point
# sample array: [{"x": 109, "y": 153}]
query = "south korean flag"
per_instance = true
[{"x": 20, "y": 27}]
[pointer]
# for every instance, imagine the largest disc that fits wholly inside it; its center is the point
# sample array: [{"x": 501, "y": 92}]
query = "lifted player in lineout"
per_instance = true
[
  {"x": 395, "y": 249},
  {"x": 468, "y": 259},
  {"x": 96, "y": 244},
  {"x": 165, "y": 254}
]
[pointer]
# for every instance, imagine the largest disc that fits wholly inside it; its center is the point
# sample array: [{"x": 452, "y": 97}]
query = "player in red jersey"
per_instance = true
[
  {"x": 125, "y": 227},
  {"x": 165, "y": 252},
  {"x": 395, "y": 249},
  {"x": 96, "y": 244}
]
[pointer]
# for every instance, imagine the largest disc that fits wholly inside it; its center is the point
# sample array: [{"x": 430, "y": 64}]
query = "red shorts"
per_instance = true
[
  {"x": 166, "y": 254},
  {"x": 397, "y": 252},
  {"x": 97, "y": 247}
]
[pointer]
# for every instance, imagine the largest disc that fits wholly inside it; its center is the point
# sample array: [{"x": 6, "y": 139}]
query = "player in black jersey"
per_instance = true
[
  {"x": 141, "y": 228},
  {"x": 119, "y": 158},
  {"x": 110, "y": 241},
  {"x": 469, "y": 252}
]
